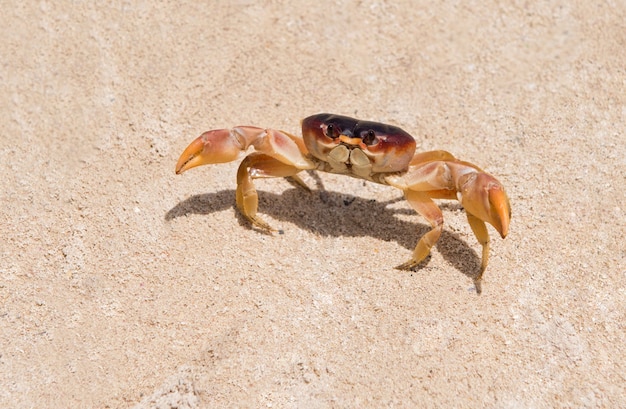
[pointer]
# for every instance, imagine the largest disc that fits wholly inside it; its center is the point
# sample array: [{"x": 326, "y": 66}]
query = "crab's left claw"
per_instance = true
[
  {"x": 500, "y": 210},
  {"x": 484, "y": 197},
  {"x": 485, "y": 201}
]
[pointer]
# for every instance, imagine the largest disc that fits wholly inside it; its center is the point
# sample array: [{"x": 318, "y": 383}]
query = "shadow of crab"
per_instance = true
[{"x": 336, "y": 214}]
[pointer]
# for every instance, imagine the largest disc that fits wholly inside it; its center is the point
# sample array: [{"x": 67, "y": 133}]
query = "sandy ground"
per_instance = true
[{"x": 123, "y": 284}]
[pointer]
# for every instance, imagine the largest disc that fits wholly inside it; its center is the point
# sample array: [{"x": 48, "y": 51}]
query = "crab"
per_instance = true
[{"x": 367, "y": 150}]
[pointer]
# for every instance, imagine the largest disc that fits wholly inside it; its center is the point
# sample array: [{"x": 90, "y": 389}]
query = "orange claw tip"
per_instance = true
[
  {"x": 217, "y": 146},
  {"x": 501, "y": 210},
  {"x": 191, "y": 156}
]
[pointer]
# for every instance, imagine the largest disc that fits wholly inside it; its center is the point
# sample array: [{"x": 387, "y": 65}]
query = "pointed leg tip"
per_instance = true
[
  {"x": 479, "y": 286},
  {"x": 408, "y": 266},
  {"x": 262, "y": 225},
  {"x": 413, "y": 263}
]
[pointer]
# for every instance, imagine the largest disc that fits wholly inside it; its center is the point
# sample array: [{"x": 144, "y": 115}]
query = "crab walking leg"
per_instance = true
[
  {"x": 482, "y": 196},
  {"x": 485, "y": 201},
  {"x": 429, "y": 210},
  {"x": 420, "y": 184},
  {"x": 254, "y": 166},
  {"x": 279, "y": 154},
  {"x": 482, "y": 235}
]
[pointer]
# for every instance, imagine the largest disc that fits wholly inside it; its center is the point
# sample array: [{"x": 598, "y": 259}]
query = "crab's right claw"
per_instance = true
[{"x": 217, "y": 146}]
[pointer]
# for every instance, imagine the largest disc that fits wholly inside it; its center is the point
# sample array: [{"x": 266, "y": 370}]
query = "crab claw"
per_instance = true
[
  {"x": 217, "y": 146},
  {"x": 500, "y": 210},
  {"x": 484, "y": 197}
]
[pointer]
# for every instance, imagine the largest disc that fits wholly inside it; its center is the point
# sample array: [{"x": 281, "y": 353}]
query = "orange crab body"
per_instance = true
[{"x": 367, "y": 150}]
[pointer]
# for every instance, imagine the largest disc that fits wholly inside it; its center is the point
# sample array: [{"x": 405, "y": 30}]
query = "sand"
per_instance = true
[{"x": 124, "y": 285}]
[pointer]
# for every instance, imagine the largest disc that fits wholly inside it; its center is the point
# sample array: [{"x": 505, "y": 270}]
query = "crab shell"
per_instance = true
[{"x": 338, "y": 139}]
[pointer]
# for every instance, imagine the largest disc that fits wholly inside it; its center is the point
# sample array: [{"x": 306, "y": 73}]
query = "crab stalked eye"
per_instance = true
[
  {"x": 369, "y": 138},
  {"x": 333, "y": 131}
]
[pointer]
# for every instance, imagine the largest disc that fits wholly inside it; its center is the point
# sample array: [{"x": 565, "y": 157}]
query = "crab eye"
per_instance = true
[
  {"x": 332, "y": 131},
  {"x": 370, "y": 138}
]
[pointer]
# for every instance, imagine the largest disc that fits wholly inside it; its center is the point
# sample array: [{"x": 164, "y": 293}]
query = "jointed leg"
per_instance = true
[
  {"x": 480, "y": 231},
  {"x": 258, "y": 165},
  {"x": 431, "y": 212}
]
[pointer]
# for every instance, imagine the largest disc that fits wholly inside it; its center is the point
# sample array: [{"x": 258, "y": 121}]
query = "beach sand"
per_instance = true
[{"x": 123, "y": 284}]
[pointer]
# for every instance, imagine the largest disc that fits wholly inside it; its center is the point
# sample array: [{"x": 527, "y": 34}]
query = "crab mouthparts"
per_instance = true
[{"x": 349, "y": 155}]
